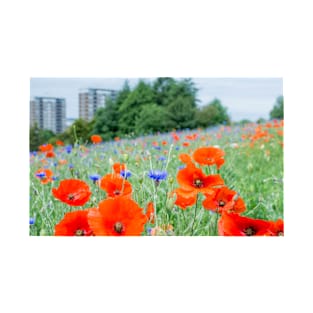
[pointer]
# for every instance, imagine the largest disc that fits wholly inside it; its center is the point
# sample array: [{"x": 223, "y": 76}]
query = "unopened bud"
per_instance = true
[
  {"x": 111, "y": 162},
  {"x": 170, "y": 203},
  {"x": 43, "y": 232}
]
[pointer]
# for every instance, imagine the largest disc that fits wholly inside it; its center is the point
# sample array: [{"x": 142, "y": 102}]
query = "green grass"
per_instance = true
[{"x": 255, "y": 172}]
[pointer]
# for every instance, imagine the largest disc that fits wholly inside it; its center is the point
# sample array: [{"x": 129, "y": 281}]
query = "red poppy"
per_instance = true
[
  {"x": 193, "y": 179},
  {"x": 96, "y": 139},
  {"x": 74, "y": 192},
  {"x": 45, "y": 175},
  {"x": 50, "y": 154},
  {"x": 150, "y": 213},
  {"x": 185, "y": 158},
  {"x": 46, "y": 147},
  {"x": 184, "y": 198},
  {"x": 118, "y": 167},
  {"x": 232, "y": 224},
  {"x": 192, "y": 137},
  {"x": 59, "y": 143},
  {"x": 186, "y": 144},
  {"x": 73, "y": 224},
  {"x": 115, "y": 185},
  {"x": 209, "y": 156},
  {"x": 224, "y": 199},
  {"x": 277, "y": 228},
  {"x": 118, "y": 216},
  {"x": 175, "y": 136}
]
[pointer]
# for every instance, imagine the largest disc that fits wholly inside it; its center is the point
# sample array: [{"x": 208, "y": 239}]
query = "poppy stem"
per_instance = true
[
  {"x": 195, "y": 215},
  {"x": 155, "y": 185},
  {"x": 214, "y": 220},
  {"x": 169, "y": 156}
]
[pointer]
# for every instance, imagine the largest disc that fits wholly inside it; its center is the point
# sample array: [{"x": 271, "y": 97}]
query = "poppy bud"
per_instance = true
[
  {"x": 111, "y": 162},
  {"x": 170, "y": 203},
  {"x": 43, "y": 232}
]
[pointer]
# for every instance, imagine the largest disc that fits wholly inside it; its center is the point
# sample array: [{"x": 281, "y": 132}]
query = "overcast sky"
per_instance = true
[{"x": 245, "y": 98}]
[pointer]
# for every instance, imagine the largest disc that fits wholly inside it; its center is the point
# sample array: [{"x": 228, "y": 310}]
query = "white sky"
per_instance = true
[{"x": 245, "y": 98}]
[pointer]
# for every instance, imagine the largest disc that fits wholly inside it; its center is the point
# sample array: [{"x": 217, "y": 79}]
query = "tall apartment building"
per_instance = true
[
  {"x": 91, "y": 99},
  {"x": 48, "y": 113}
]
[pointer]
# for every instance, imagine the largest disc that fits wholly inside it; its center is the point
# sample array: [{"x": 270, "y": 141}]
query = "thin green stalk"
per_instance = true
[{"x": 195, "y": 215}]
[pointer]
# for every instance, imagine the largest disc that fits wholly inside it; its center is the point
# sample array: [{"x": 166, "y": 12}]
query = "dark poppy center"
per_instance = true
[
  {"x": 250, "y": 231},
  {"x": 280, "y": 233},
  {"x": 117, "y": 192},
  {"x": 79, "y": 232},
  {"x": 198, "y": 183},
  {"x": 118, "y": 227},
  {"x": 71, "y": 196},
  {"x": 221, "y": 203}
]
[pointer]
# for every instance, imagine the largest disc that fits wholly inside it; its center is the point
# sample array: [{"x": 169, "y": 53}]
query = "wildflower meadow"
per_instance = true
[{"x": 221, "y": 181}]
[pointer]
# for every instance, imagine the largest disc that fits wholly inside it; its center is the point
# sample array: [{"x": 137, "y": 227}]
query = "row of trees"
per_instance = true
[
  {"x": 278, "y": 109},
  {"x": 160, "y": 106},
  {"x": 164, "y": 105}
]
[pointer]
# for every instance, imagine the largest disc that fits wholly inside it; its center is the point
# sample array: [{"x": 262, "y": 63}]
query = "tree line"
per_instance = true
[{"x": 160, "y": 106}]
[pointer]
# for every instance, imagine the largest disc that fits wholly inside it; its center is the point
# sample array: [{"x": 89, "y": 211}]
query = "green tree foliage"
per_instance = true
[
  {"x": 152, "y": 118},
  {"x": 179, "y": 99},
  {"x": 106, "y": 121},
  {"x": 278, "y": 109},
  {"x": 38, "y": 137},
  {"x": 261, "y": 120},
  {"x": 184, "y": 88},
  {"x": 212, "y": 114},
  {"x": 181, "y": 113},
  {"x": 164, "y": 89},
  {"x": 130, "y": 108},
  {"x": 244, "y": 122},
  {"x": 80, "y": 131},
  {"x": 107, "y": 118}
]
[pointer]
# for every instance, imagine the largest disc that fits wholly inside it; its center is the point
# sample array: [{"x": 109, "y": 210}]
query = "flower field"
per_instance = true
[{"x": 225, "y": 181}]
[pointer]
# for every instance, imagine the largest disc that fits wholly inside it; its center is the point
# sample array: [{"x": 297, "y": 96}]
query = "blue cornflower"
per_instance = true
[
  {"x": 157, "y": 147},
  {"x": 125, "y": 174},
  {"x": 41, "y": 174},
  {"x": 70, "y": 166},
  {"x": 157, "y": 175},
  {"x": 32, "y": 221},
  {"x": 177, "y": 148},
  {"x": 94, "y": 177},
  {"x": 162, "y": 158},
  {"x": 68, "y": 148}
]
